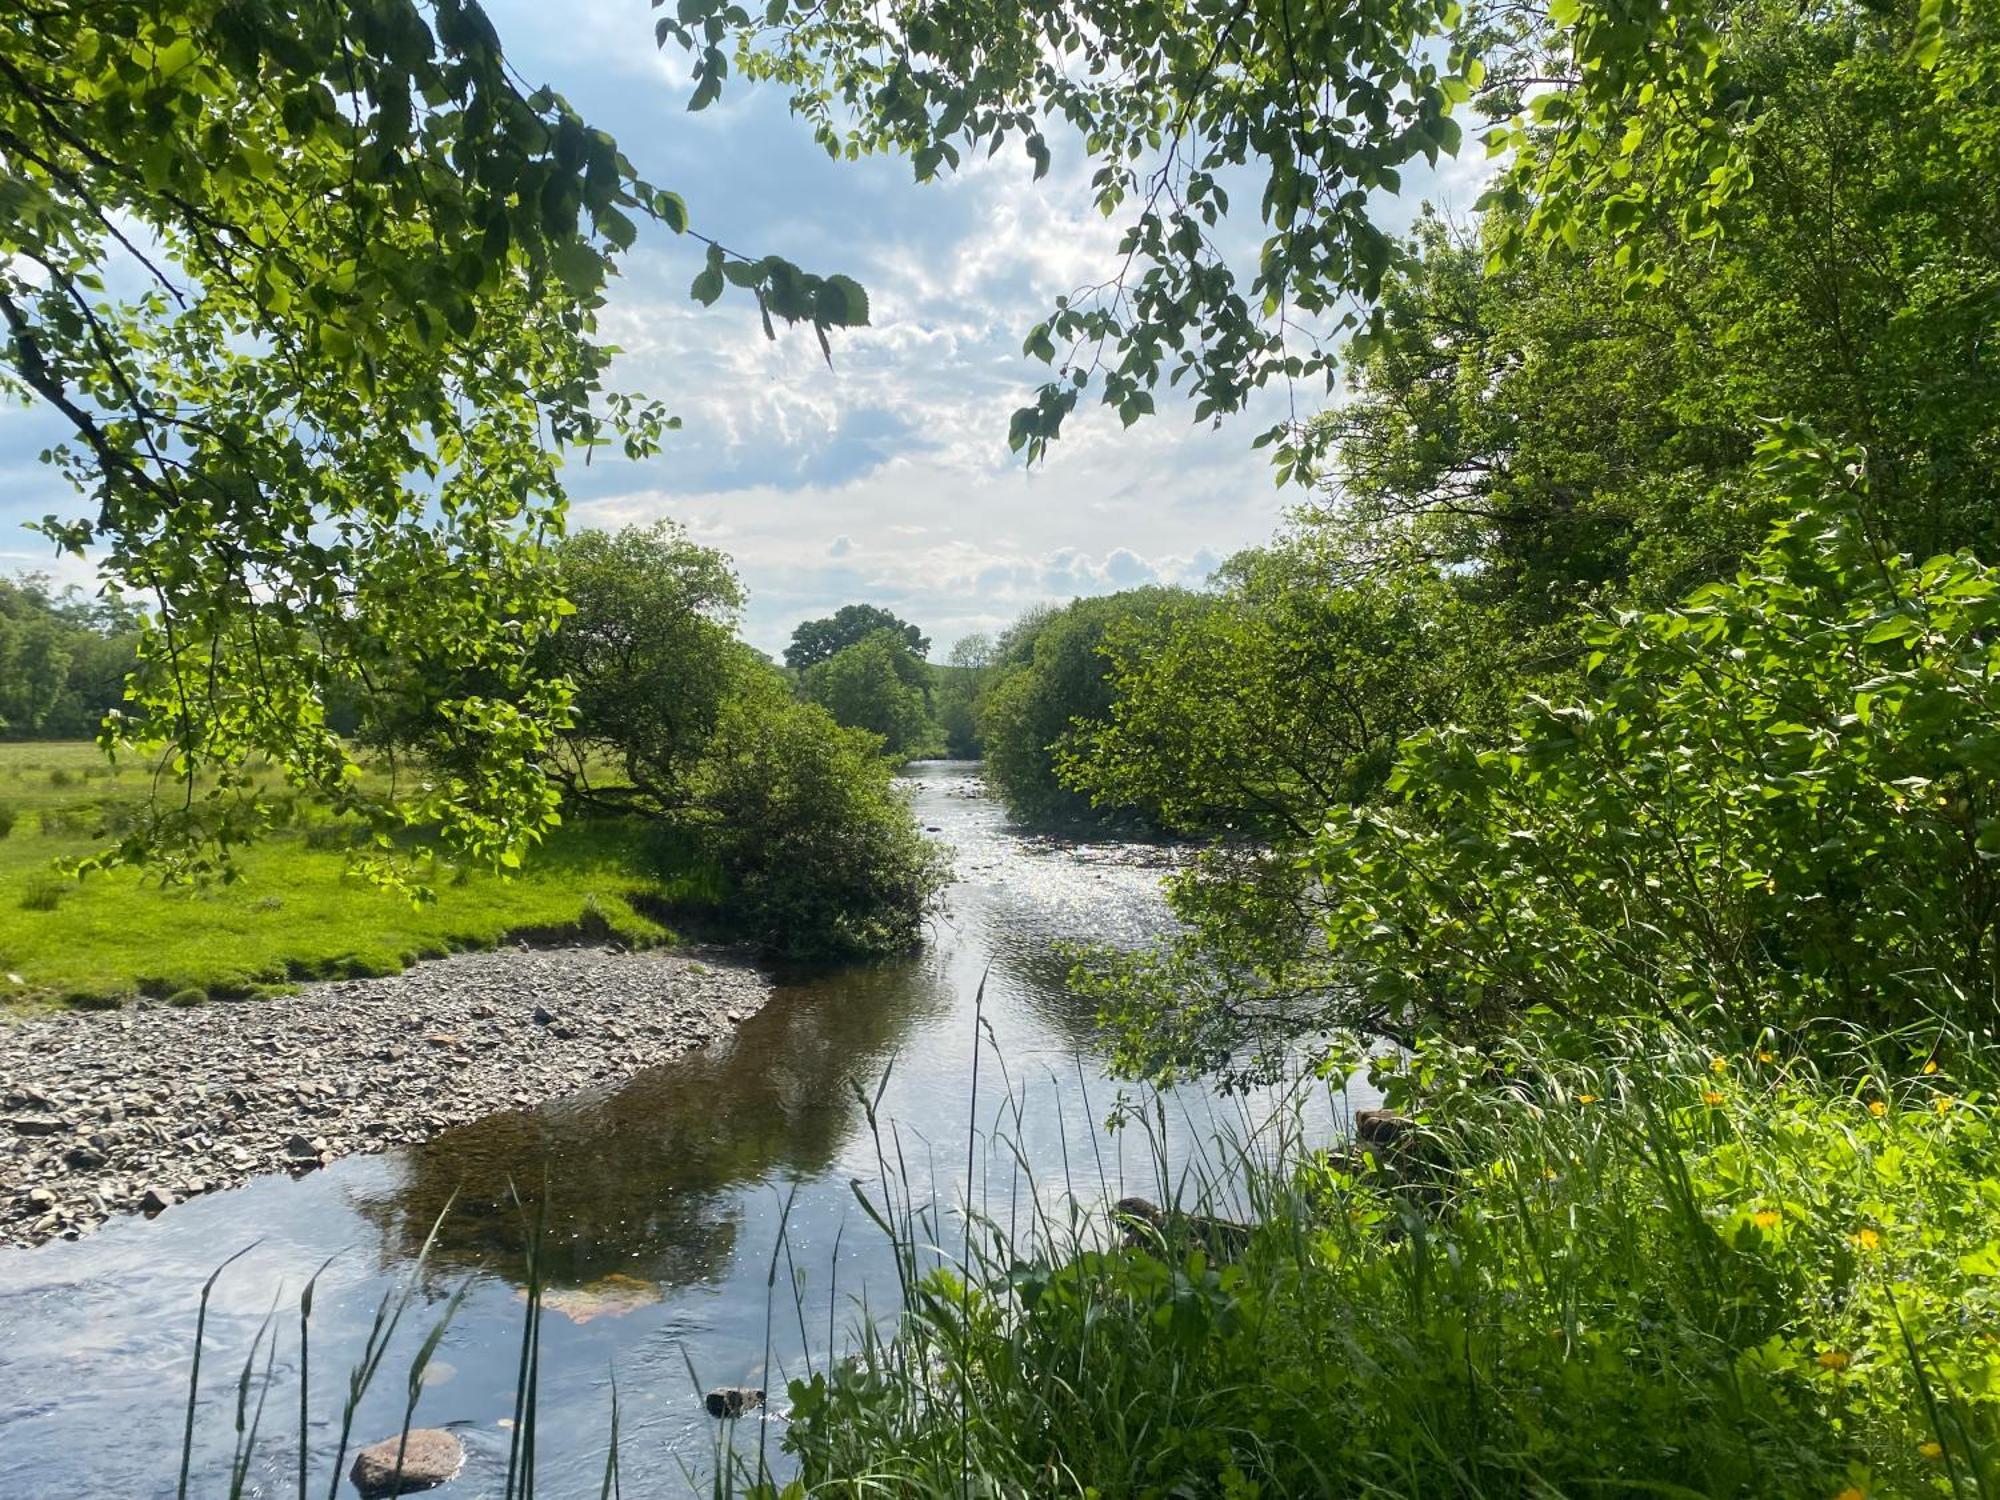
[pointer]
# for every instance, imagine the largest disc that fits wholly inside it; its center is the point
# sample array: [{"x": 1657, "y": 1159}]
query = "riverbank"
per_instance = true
[
  {"x": 299, "y": 913},
  {"x": 104, "y": 1113}
]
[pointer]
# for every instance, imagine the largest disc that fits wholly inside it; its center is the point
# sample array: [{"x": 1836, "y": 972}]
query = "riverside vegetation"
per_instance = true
[{"x": 1614, "y": 730}]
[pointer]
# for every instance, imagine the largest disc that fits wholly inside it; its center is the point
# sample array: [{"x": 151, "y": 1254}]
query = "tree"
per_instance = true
[
  {"x": 1567, "y": 445},
  {"x": 814, "y": 641},
  {"x": 1774, "y": 805},
  {"x": 315, "y": 289},
  {"x": 63, "y": 659},
  {"x": 1253, "y": 710},
  {"x": 1054, "y": 680},
  {"x": 877, "y": 685},
  {"x": 651, "y": 655},
  {"x": 956, "y": 689}
]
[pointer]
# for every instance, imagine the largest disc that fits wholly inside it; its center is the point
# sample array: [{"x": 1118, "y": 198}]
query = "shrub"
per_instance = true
[
  {"x": 819, "y": 851},
  {"x": 1778, "y": 804},
  {"x": 60, "y": 822},
  {"x": 61, "y": 777},
  {"x": 9, "y": 816}
]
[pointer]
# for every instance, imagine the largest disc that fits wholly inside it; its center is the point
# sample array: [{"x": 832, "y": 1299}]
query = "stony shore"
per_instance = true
[{"x": 134, "y": 1110}]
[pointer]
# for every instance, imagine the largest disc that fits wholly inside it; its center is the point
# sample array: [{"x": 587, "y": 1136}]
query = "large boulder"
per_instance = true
[{"x": 430, "y": 1456}]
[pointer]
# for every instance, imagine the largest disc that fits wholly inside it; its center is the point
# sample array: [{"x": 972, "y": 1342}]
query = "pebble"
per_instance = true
[{"x": 133, "y": 1111}]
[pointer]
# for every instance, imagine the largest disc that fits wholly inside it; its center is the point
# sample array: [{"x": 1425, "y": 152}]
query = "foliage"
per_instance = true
[
  {"x": 955, "y": 691},
  {"x": 1573, "y": 446},
  {"x": 650, "y": 654},
  {"x": 1782, "y": 801},
  {"x": 1253, "y": 709},
  {"x": 1054, "y": 679},
  {"x": 815, "y": 641},
  {"x": 1777, "y": 806},
  {"x": 1637, "y": 123},
  {"x": 1664, "y": 1271},
  {"x": 63, "y": 659},
  {"x": 820, "y": 854},
  {"x": 878, "y": 685},
  {"x": 314, "y": 289}
]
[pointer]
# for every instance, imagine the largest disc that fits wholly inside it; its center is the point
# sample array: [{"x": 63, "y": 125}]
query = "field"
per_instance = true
[{"x": 297, "y": 913}]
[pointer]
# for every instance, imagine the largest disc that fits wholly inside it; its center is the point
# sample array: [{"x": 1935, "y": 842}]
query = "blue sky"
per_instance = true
[{"x": 886, "y": 478}]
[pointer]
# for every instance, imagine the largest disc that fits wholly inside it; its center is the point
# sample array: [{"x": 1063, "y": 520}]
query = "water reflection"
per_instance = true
[{"x": 643, "y": 1181}]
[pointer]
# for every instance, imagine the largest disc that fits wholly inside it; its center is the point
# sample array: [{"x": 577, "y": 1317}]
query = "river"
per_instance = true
[{"x": 664, "y": 1198}]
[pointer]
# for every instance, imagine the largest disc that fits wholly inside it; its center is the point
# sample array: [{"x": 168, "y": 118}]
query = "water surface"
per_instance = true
[{"x": 663, "y": 1202}]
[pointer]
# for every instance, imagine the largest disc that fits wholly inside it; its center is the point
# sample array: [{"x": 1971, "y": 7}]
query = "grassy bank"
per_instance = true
[
  {"x": 295, "y": 914},
  {"x": 1669, "y": 1273}
]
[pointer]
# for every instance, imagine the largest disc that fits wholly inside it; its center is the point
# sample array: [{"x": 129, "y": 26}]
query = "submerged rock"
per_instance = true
[
  {"x": 729, "y": 1401},
  {"x": 429, "y": 1456},
  {"x": 610, "y": 1296}
]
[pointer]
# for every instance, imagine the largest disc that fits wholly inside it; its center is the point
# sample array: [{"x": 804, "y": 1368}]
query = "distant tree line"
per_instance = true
[{"x": 64, "y": 657}]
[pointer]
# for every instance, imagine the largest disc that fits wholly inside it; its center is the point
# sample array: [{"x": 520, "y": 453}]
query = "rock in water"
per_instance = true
[
  {"x": 430, "y": 1457},
  {"x": 732, "y": 1400}
]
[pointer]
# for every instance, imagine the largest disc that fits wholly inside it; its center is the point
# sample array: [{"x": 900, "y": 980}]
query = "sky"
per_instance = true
[{"x": 887, "y": 478}]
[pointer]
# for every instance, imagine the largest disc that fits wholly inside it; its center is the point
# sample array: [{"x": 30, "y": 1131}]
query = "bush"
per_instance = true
[
  {"x": 9, "y": 816},
  {"x": 1665, "y": 1273},
  {"x": 1777, "y": 806},
  {"x": 820, "y": 853}
]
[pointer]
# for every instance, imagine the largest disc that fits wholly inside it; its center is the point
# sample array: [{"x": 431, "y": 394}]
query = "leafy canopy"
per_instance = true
[
  {"x": 1312, "y": 112},
  {"x": 814, "y": 641},
  {"x": 1775, "y": 805},
  {"x": 315, "y": 289},
  {"x": 651, "y": 656},
  {"x": 879, "y": 685}
]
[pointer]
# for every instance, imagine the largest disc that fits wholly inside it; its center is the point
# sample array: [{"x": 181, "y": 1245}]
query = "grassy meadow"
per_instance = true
[{"x": 296, "y": 913}]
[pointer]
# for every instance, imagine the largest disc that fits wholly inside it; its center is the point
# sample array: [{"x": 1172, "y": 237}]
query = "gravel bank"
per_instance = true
[{"x": 105, "y": 1112}]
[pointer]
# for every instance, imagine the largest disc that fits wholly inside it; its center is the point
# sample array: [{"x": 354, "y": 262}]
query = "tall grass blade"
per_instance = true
[{"x": 194, "y": 1372}]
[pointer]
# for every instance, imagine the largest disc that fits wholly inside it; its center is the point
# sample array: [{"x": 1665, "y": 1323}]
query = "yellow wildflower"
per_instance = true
[
  {"x": 1852, "y": 1492},
  {"x": 1930, "y": 1067},
  {"x": 1586, "y": 1098},
  {"x": 1766, "y": 1055},
  {"x": 1710, "y": 1097},
  {"x": 1931, "y": 1450},
  {"x": 1942, "y": 1104},
  {"x": 1877, "y": 1108},
  {"x": 1766, "y": 1218},
  {"x": 1835, "y": 1359},
  {"x": 1868, "y": 1237},
  {"x": 1718, "y": 1066}
]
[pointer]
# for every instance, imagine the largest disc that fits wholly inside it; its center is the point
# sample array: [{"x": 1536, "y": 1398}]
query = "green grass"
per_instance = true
[
  {"x": 1657, "y": 1272},
  {"x": 297, "y": 913}
]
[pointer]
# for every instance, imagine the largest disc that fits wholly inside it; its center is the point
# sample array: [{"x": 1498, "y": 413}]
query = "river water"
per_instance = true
[{"x": 664, "y": 1198}]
